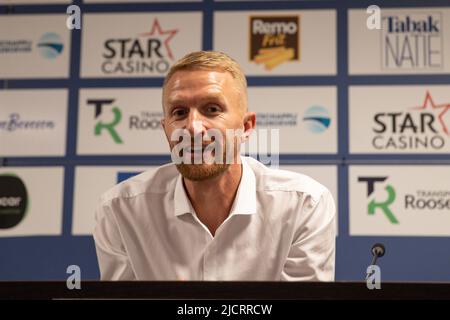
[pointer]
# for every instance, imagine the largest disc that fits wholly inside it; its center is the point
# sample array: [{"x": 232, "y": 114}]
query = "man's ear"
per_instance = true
[
  {"x": 249, "y": 125},
  {"x": 163, "y": 125}
]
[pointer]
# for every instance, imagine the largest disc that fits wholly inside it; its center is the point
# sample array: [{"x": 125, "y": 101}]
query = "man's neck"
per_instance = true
[{"x": 212, "y": 198}]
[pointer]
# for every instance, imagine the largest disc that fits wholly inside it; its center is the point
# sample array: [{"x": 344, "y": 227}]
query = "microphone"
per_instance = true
[{"x": 378, "y": 250}]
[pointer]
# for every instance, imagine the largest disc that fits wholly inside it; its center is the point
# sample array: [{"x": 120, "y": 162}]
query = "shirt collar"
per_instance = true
[
  {"x": 182, "y": 204},
  {"x": 244, "y": 202}
]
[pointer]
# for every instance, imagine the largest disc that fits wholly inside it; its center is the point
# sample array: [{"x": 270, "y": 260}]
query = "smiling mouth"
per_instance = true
[
  {"x": 198, "y": 151},
  {"x": 195, "y": 150}
]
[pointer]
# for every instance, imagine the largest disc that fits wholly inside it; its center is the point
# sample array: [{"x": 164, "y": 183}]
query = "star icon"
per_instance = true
[
  {"x": 428, "y": 102},
  {"x": 156, "y": 30}
]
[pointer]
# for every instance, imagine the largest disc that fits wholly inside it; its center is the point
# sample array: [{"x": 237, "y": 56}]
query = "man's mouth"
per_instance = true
[{"x": 195, "y": 149}]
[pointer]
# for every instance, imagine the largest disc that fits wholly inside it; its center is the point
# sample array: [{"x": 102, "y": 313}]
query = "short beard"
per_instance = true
[{"x": 201, "y": 172}]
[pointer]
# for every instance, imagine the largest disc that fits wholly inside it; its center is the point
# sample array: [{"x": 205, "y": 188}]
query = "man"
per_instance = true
[{"x": 214, "y": 220}]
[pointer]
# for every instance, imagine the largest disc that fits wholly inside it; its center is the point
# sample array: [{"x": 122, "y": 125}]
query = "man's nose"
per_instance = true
[{"x": 195, "y": 124}]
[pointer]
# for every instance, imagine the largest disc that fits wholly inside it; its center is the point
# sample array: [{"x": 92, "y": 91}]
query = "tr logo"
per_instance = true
[
  {"x": 384, "y": 205},
  {"x": 109, "y": 127}
]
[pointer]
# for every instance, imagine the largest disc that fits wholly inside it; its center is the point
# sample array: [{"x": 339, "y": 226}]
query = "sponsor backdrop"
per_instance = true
[{"x": 363, "y": 111}]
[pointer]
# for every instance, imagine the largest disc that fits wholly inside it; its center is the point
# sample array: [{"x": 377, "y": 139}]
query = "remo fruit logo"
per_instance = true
[{"x": 274, "y": 40}]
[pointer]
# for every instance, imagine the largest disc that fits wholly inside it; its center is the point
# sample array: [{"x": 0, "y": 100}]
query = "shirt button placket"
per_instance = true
[{"x": 208, "y": 258}]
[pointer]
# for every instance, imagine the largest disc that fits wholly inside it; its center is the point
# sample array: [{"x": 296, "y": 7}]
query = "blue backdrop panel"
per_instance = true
[{"x": 407, "y": 258}]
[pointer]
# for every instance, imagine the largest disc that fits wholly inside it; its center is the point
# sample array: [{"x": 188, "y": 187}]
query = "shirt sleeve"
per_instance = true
[
  {"x": 312, "y": 253},
  {"x": 113, "y": 260}
]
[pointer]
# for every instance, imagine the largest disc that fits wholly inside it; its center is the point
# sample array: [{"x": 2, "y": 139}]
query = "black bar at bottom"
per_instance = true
[{"x": 224, "y": 290}]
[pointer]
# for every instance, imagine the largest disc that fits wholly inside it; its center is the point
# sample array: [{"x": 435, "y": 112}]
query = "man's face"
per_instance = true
[{"x": 197, "y": 101}]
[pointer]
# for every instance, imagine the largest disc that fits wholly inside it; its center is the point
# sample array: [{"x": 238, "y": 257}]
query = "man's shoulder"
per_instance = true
[
  {"x": 157, "y": 180},
  {"x": 270, "y": 179}
]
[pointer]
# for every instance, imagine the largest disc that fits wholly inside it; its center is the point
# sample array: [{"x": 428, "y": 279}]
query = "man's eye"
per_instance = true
[
  {"x": 178, "y": 112},
  {"x": 213, "y": 108}
]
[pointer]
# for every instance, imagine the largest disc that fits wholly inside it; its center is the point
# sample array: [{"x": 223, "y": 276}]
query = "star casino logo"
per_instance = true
[
  {"x": 147, "y": 53},
  {"x": 422, "y": 127}
]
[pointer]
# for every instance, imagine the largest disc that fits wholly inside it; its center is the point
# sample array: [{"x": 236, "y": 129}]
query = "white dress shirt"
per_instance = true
[{"x": 281, "y": 227}]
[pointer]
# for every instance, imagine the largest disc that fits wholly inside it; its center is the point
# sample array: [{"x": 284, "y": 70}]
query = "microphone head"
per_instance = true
[{"x": 378, "y": 249}]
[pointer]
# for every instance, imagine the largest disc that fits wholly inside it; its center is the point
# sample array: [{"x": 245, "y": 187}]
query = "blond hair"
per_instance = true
[{"x": 211, "y": 60}]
